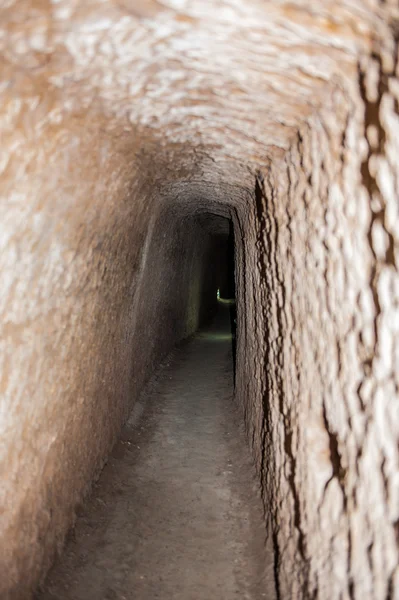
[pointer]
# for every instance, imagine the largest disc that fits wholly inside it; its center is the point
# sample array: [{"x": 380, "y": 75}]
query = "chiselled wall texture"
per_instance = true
[
  {"x": 324, "y": 423},
  {"x": 120, "y": 120},
  {"x": 98, "y": 283}
]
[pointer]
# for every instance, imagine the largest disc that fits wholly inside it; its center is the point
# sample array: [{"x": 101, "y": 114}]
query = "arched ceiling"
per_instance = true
[{"x": 234, "y": 76}]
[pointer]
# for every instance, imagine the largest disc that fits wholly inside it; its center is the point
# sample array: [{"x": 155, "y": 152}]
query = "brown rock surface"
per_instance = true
[{"x": 120, "y": 123}]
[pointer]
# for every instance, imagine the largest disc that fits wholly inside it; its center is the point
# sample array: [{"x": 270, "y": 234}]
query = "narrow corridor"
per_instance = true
[
  {"x": 176, "y": 513},
  {"x": 152, "y": 153}
]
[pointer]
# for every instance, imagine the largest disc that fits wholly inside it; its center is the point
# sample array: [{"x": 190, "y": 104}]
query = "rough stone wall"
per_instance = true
[
  {"x": 98, "y": 282},
  {"x": 322, "y": 259}
]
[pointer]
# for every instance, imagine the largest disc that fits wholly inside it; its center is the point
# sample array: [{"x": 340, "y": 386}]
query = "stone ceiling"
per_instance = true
[{"x": 234, "y": 76}]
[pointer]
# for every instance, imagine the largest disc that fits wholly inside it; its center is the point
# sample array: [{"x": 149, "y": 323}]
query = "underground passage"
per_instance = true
[{"x": 199, "y": 307}]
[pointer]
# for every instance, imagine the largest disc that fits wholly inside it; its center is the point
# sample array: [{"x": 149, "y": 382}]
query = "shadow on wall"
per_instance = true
[
  {"x": 232, "y": 292},
  {"x": 226, "y": 295}
]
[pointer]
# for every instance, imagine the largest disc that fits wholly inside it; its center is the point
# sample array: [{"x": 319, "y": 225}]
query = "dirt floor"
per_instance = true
[{"x": 176, "y": 513}]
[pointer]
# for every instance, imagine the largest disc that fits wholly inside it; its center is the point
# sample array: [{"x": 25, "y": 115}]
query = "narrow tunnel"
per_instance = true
[
  {"x": 175, "y": 512},
  {"x": 199, "y": 359}
]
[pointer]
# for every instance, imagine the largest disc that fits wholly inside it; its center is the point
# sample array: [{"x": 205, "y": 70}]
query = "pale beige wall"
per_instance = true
[{"x": 99, "y": 281}]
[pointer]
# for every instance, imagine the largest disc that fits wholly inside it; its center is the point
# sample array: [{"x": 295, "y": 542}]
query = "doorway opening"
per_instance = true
[{"x": 222, "y": 272}]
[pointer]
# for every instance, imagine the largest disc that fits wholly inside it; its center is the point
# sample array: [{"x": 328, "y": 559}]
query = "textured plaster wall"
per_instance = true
[{"x": 120, "y": 120}]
